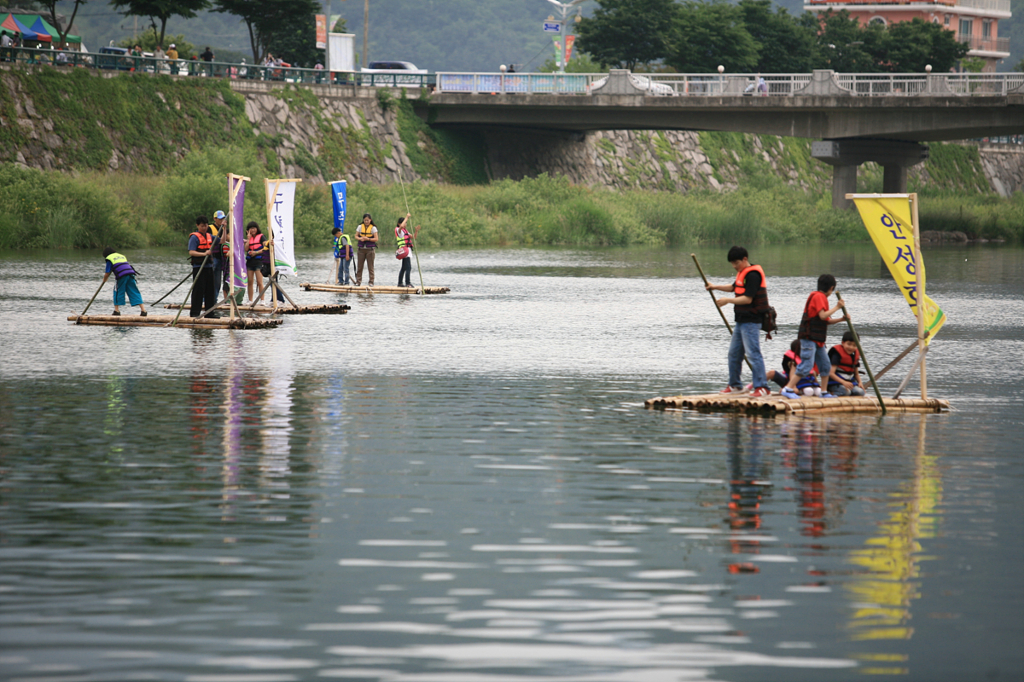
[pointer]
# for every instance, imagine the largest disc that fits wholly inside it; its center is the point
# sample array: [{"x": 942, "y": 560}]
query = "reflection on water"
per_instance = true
[{"x": 338, "y": 499}]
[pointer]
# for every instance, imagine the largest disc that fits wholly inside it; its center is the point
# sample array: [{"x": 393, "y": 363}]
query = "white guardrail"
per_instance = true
[{"x": 714, "y": 85}]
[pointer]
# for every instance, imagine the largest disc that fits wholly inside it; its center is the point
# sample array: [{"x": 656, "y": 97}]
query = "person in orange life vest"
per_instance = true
[
  {"x": 750, "y": 305},
  {"x": 813, "y": 330},
  {"x": 404, "y": 239},
  {"x": 845, "y": 376},
  {"x": 256, "y": 250},
  {"x": 124, "y": 276},
  {"x": 366, "y": 235},
  {"x": 204, "y": 291}
]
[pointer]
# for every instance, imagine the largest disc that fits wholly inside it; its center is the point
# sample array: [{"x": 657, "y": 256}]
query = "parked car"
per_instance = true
[
  {"x": 114, "y": 58},
  {"x": 393, "y": 73}
]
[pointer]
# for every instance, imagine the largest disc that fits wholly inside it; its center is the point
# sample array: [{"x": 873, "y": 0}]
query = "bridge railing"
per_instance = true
[{"x": 564, "y": 83}]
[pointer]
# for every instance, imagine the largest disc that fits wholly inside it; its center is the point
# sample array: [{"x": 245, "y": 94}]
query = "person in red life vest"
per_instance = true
[
  {"x": 256, "y": 251},
  {"x": 124, "y": 276},
  {"x": 750, "y": 304},
  {"x": 204, "y": 289},
  {"x": 404, "y": 242},
  {"x": 813, "y": 330},
  {"x": 790, "y": 359},
  {"x": 845, "y": 376}
]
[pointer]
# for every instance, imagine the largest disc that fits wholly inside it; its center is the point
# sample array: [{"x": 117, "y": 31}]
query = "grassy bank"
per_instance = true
[{"x": 40, "y": 209}]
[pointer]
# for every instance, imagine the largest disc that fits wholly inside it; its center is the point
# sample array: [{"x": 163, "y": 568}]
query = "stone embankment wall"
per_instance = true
[{"x": 325, "y": 133}]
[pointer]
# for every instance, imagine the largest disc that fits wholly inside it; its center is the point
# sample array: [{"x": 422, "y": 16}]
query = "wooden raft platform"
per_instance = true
[
  {"x": 351, "y": 289},
  {"x": 324, "y": 309},
  {"x": 184, "y": 321},
  {"x": 776, "y": 404}
]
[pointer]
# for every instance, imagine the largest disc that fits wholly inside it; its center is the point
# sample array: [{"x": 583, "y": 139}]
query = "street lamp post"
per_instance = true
[{"x": 563, "y": 9}]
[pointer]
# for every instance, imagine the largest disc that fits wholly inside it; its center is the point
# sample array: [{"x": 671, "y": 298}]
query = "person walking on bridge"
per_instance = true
[{"x": 750, "y": 305}]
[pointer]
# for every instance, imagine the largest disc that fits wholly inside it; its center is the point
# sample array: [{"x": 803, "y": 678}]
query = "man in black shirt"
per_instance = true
[{"x": 750, "y": 305}]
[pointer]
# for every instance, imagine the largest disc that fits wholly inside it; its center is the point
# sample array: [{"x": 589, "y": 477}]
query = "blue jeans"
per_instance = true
[
  {"x": 343, "y": 276},
  {"x": 127, "y": 284},
  {"x": 812, "y": 354},
  {"x": 746, "y": 340},
  {"x": 406, "y": 271}
]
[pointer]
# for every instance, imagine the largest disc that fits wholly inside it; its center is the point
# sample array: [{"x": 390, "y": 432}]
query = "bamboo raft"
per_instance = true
[
  {"x": 323, "y": 309},
  {"x": 379, "y": 289},
  {"x": 184, "y": 321},
  {"x": 776, "y": 404}
]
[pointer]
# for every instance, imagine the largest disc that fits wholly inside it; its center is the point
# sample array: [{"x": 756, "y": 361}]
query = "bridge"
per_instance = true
[{"x": 858, "y": 118}]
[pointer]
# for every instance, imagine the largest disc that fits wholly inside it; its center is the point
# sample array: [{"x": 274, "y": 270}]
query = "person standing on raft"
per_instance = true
[
  {"x": 124, "y": 276},
  {"x": 204, "y": 289},
  {"x": 366, "y": 235},
  {"x": 750, "y": 305},
  {"x": 404, "y": 251}
]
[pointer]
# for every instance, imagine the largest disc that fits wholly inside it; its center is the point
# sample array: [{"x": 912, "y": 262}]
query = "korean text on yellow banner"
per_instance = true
[{"x": 889, "y": 224}]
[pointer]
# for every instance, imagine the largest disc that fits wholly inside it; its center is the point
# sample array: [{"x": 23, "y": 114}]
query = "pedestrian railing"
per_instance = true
[{"x": 664, "y": 84}]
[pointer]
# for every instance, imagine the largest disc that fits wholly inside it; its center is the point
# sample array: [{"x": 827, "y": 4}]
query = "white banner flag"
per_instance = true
[{"x": 282, "y": 210}]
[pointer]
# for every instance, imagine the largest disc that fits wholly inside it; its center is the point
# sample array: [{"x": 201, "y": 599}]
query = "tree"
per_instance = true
[
  {"x": 709, "y": 34},
  {"x": 580, "y": 62},
  {"x": 784, "y": 45},
  {"x": 160, "y": 9},
  {"x": 267, "y": 20},
  {"x": 51, "y": 7},
  {"x": 846, "y": 47},
  {"x": 914, "y": 44},
  {"x": 625, "y": 33}
]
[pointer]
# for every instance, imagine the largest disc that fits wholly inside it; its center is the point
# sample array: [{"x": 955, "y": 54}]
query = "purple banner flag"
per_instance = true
[{"x": 236, "y": 192}]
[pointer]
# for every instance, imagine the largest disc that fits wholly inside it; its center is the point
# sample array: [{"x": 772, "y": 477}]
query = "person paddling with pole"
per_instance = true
[
  {"x": 124, "y": 275},
  {"x": 404, "y": 241},
  {"x": 750, "y": 305}
]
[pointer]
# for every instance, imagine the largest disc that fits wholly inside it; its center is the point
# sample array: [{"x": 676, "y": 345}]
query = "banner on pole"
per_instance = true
[
  {"x": 339, "y": 192},
  {"x": 282, "y": 213},
  {"x": 569, "y": 41},
  {"x": 888, "y": 221},
  {"x": 236, "y": 195},
  {"x": 321, "y": 31}
]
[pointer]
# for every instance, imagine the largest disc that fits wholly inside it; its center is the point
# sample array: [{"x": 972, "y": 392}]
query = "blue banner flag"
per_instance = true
[{"x": 339, "y": 191}]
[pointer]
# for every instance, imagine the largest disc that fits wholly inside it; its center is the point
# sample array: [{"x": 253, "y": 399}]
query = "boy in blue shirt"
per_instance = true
[{"x": 124, "y": 276}]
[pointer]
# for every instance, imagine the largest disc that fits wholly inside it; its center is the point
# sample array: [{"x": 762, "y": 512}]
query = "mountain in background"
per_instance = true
[{"x": 437, "y": 35}]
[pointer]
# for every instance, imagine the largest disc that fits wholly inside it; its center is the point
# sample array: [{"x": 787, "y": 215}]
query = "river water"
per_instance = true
[{"x": 467, "y": 487}]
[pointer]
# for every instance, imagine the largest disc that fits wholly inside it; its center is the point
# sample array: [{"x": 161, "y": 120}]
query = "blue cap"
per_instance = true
[{"x": 220, "y": 215}]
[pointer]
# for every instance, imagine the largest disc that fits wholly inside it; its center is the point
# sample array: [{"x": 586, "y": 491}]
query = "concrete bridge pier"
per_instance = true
[{"x": 844, "y": 156}]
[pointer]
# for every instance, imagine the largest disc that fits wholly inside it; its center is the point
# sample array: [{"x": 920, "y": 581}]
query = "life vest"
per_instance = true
[
  {"x": 402, "y": 237},
  {"x": 120, "y": 266},
  {"x": 367, "y": 232},
  {"x": 812, "y": 328},
  {"x": 848, "y": 363},
  {"x": 759, "y": 304},
  {"x": 225, "y": 250},
  {"x": 342, "y": 246},
  {"x": 255, "y": 244},
  {"x": 205, "y": 244}
]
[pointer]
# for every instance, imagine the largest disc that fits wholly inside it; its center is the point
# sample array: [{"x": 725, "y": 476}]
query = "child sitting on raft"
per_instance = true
[{"x": 808, "y": 385}]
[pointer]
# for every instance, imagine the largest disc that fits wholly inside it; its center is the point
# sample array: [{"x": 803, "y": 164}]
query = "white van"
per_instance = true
[{"x": 393, "y": 73}]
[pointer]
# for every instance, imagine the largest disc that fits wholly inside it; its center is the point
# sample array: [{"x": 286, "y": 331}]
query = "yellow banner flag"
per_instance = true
[{"x": 889, "y": 223}]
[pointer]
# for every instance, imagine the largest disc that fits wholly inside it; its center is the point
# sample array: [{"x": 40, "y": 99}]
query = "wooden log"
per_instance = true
[
  {"x": 322, "y": 309},
  {"x": 802, "y": 406},
  {"x": 378, "y": 289},
  {"x": 165, "y": 321}
]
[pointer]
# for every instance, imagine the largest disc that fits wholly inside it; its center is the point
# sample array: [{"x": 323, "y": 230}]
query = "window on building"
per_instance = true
[
  {"x": 986, "y": 29},
  {"x": 877, "y": 20},
  {"x": 966, "y": 28},
  {"x": 947, "y": 20}
]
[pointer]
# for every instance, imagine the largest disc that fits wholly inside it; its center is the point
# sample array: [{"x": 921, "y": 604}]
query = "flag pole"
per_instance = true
[
  {"x": 919, "y": 264},
  {"x": 270, "y": 227}
]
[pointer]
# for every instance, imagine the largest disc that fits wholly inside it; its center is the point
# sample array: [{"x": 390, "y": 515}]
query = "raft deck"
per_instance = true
[
  {"x": 776, "y": 404},
  {"x": 284, "y": 309},
  {"x": 351, "y": 289},
  {"x": 184, "y": 321}
]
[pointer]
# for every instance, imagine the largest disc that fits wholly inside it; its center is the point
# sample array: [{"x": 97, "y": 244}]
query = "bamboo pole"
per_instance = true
[
  {"x": 152, "y": 305},
  {"x": 270, "y": 226},
  {"x": 89, "y": 305},
  {"x": 860, "y": 349},
  {"x": 919, "y": 265},
  {"x": 912, "y": 346},
  {"x": 906, "y": 380},
  {"x": 717, "y": 307}
]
